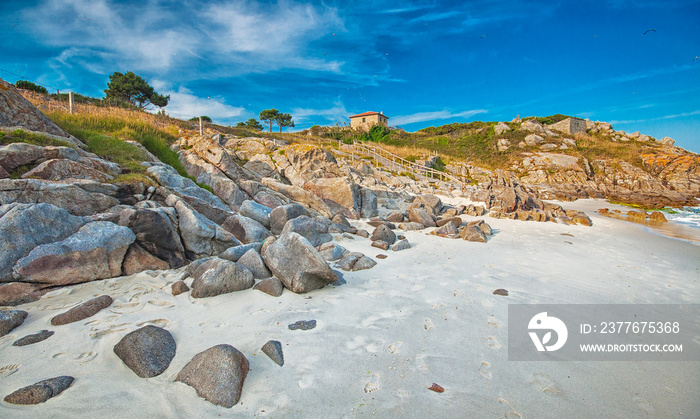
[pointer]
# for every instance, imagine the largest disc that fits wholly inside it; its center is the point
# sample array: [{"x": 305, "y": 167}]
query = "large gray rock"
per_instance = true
[
  {"x": 61, "y": 169},
  {"x": 295, "y": 262},
  {"x": 257, "y": 212},
  {"x": 369, "y": 203},
  {"x": 383, "y": 233},
  {"x": 147, "y": 351},
  {"x": 431, "y": 203},
  {"x": 219, "y": 276},
  {"x": 313, "y": 229},
  {"x": 11, "y": 319},
  {"x": 271, "y": 286},
  {"x": 245, "y": 229},
  {"x": 137, "y": 259},
  {"x": 96, "y": 251},
  {"x": 26, "y": 226},
  {"x": 217, "y": 374},
  {"x": 255, "y": 264},
  {"x": 82, "y": 311},
  {"x": 15, "y": 155},
  {"x": 182, "y": 186},
  {"x": 280, "y": 215},
  {"x": 339, "y": 190},
  {"x": 40, "y": 392},
  {"x": 308, "y": 162},
  {"x": 79, "y": 197},
  {"x": 331, "y": 251},
  {"x": 200, "y": 235},
  {"x": 156, "y": 233}
]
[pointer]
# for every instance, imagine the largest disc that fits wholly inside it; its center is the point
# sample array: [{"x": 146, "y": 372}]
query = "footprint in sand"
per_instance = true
[
  {"x": 155, "y": 322},
  {"x": 545, "y": 384},
  {"x": 372, "y": 384},
  {"x": 100, "y": 321},
  {"x": 97, "y": 334},
  {"x": 493, "y": 343},
  {"x": 58, "y": 292},
  {"x": 512, "y": 414},
  {"x": 645, "y": 406},
  {"x": 166, "y": 304},
  {"x": 375, "y": 346},
  {"x": 394, "y": 347},
  {"x": 421, "y": 364},
  {"x": 58, "y": 355},
  {"x": 126, "y": 308},
  {"x": 356, "y": 342},
  {"x": 5, "y": 340},
  {"x": 428, "y": 324},
  {"x": 484, "y": 370},
  {"x": 86, "y": 356},
  {"x": 8, "y": 370},
  {"x": 492, "y": 322},
  {"x": 456, "y": 293},
  {"x": 305, "y": 382}
]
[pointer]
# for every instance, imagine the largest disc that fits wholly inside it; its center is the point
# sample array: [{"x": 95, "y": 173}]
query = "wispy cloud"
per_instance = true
[
  {"x": 434, "y": 116},
  {"x": 659, "y": 118},
  {"x": 433, "y": 17},
  {"x": 335, "y": 113}
]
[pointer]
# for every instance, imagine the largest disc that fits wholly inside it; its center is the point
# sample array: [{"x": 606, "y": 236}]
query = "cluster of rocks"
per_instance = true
[
  {"x": 635, "y": 215},
  {"x": 217, "y": 374},
  {"x": 514, "y": 202}
]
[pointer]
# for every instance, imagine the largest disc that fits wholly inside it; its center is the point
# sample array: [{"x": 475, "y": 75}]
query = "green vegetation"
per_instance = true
[
  {"x": 204, "y": 119},
  {"x": 273, "y": 116},
  {"x": 21, "y": 136},
  {"x": 27, "y": 85},
  {"x": 251, "y": 123},
  {"x": 130, "y": 88}
]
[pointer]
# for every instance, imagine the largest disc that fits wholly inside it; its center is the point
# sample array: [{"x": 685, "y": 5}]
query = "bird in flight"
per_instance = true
[
  {"x": 696, "y": 58},
  {"x": 649, "y": 30},
  {"x": 484, "y": 36}
]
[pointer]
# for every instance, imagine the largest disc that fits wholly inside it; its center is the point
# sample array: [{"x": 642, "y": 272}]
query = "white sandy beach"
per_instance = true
[{"x": 424, "y": 315}]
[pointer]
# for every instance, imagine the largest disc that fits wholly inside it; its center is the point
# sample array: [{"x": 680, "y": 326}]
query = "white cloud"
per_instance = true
[
  {"x": 432, "y": 116},
  {"x": 185, "y": 104}
]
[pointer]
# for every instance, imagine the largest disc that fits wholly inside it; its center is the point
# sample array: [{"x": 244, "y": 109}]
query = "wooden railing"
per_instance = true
[{"x": 396, "y": 163}]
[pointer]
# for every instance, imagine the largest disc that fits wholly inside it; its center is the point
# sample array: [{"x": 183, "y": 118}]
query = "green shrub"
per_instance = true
[
  {"x": 27, "y": 85},
  {"x": 22, "y": 136}
]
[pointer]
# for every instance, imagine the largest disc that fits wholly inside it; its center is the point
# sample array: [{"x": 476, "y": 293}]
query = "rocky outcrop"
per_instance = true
[
  {"x": 219, "y": 276},
  {"x": 312, "y": 229},
  {"x": 339, "y": 192},
  {"x": 156, "y": 233},
  {"x": 307, "y": 162},
  {"x": 79, "y": 197},
  {"x": 16, "y": 111}
]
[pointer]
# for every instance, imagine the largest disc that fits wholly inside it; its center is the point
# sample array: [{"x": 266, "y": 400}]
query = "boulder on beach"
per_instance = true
[{"x": 147, "y": 351}]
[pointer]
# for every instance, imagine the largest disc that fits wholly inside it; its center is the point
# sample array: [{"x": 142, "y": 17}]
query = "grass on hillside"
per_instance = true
[
  {"x": 104, "y": 129},
  {"x": 21, "y": 136}
]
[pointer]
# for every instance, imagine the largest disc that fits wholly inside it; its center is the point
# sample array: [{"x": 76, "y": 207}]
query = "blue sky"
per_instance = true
[{"x": 422, "y": 63}]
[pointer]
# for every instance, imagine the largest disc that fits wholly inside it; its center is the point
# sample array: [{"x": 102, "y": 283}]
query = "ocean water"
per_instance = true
[{"x": 689, "y": 216}]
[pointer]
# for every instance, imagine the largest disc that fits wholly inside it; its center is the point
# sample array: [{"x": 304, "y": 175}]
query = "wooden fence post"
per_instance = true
[
  {"x": 201, "y": 131},
  {"x": 71, "y": 102}
]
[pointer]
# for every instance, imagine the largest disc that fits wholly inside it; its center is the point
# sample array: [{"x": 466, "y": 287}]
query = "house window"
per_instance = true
[{"x": 363, "y": 119}]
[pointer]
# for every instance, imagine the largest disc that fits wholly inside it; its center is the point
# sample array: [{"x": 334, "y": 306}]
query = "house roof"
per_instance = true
[{"x": 368, "y": 114}]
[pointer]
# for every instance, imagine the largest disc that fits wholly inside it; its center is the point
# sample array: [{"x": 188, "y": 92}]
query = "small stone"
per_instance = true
[
  {"x": 436, "y": 388},
  {"x": 273, "y": 349},
  {"x": 381, "y": 256},
  {"x": 501, "y": 291},
  {"x": 179, "y": 287},
  {"x": 362, "y": 233},
  {"x": 380, "y": 244},
  {"x": 271, "y": 286},
  {"x": 40, "y": 392},
  {"x": 363, "y": 263},
  {"x": 657, "y": 216},
  {"x": 402, "y": 244},
  {"x": 10, "y": 319},
  {"x": 303, "y": 325},
  {"x": 35, "y": 338},
  {"x": 83, "y": 311}
]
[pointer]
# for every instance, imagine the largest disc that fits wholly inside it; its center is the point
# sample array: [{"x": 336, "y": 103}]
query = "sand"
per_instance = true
[{"x": 424, "y": 315}]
